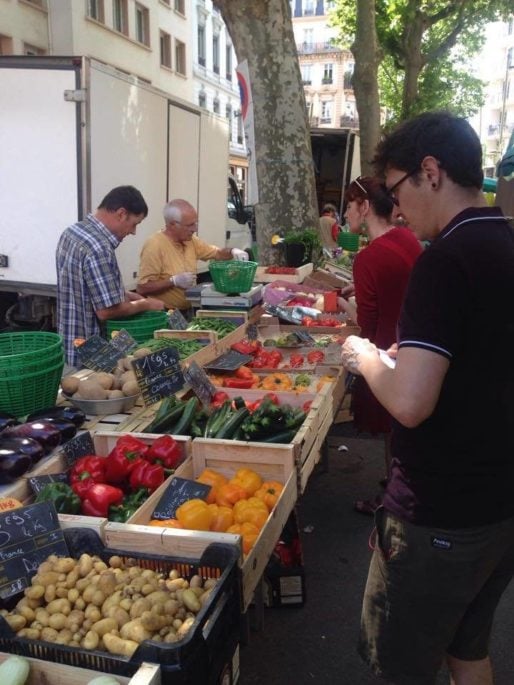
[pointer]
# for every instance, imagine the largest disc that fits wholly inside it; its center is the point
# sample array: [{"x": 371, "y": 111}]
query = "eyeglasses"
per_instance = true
[{"x": 390, "y": 191}]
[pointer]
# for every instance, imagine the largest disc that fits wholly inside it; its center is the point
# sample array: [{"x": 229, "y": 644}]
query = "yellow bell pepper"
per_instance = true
[
  {"x": 248, "y": 479},
  {"x": 248, "y": 532},
  {"x": 222, "y": 518},
  {"x": 215, "y": 480},
  {"x": 195, "y": 514},
  {"x": 269, "y": 492},
  {"x": 248, "y": 511}
]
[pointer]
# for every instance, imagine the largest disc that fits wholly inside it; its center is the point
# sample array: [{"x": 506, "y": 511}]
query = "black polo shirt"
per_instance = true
[{"x": 456, "y": 469}]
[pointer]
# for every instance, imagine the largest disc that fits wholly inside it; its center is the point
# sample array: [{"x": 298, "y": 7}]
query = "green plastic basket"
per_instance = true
[
  {"x": 19, "y": 350},
  {"x": 348, "y": 241},
  {"x": 141, "y": 326},
  {"x": 27, "y": 392},
  {"x": 232, "y": 276}
]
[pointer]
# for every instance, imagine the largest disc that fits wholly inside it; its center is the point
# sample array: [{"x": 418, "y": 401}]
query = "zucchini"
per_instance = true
[
  {"x": 163, "y": 424},
  {"x": 14, "y": 671},
  {"x": 182, "y": 426},
  {"x": 227, "y": 431},
  {"x": 284, "y": 437},
  {"x": 239, "y": 402},
  {"x": 217, "y": 419}
]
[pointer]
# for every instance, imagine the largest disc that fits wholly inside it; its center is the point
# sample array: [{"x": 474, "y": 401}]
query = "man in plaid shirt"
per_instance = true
[{"x": 89, "y": 284}]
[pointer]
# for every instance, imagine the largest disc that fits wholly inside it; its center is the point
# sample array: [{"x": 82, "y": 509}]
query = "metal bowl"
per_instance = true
[{"x": 117, "y": 405}]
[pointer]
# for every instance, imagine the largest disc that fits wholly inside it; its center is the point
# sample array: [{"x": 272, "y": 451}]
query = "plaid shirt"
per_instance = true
[{"x": 88, "y": 279}]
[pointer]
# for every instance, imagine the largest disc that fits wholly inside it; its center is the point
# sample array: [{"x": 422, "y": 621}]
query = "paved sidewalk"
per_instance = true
[{"x": 316, "y": 643}]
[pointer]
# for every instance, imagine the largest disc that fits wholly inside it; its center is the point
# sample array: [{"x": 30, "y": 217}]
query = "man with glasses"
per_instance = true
[
  {"x": 444, "y": 550},
  {"x": 169, "y": 258}
]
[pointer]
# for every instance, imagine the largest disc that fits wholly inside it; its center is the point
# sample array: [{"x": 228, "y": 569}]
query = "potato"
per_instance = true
[
  {"x": 135, "y": 630},
  {"x": 117, "y": 645},
  {"x": 70, "y": 384},
  {"x": 115, "y": 395},
  {"x": 127, "y": 362},
  {"x": 130, "y": 388},
  {"x": 90, "y": 640},
  {"x": 105, "y": 625},
  {"x": 16, "y": 621},
  {"x": 103, "y": 378},
  {"x": 142, "y": 352},
  {"x": 90, "y": 390}
]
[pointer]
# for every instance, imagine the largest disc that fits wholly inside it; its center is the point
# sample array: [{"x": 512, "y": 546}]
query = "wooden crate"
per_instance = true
[
  {"x": 48, "y": 673},
  {"x": 209, "y": 338},
  {"x": 273, "y": 463},
  {"x": 104, "y": 442},
  {"x": 240, "y": 317},
  {"x": 301, "y": 272},
  {"x": 306, "y": 468}
]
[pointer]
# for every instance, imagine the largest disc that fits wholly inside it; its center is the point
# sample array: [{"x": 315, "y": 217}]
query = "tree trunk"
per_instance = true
[
  {"x": 365, "y": 82},
  {"x": 413, "y": 60},
  {"x": 262, "y": 33}
]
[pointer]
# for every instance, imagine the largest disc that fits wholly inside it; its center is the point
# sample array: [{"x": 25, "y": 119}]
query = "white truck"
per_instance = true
[{"x": 72, "y": 128}]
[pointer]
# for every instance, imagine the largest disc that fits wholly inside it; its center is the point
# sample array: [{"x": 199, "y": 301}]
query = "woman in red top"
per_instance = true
[{"x": 380, "y": 273}]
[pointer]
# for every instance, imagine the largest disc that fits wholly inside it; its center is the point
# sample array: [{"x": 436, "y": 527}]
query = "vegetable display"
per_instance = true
[
  {"x": 220, "y": 326},
  {"x": 112, "y": 607}
]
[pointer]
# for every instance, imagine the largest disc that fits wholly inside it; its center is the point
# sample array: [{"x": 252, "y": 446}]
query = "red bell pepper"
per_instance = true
[
  {"x": 244, "y": 372},
  {"x": 273, "y": 397},
  {"x": 120, "y": 461},
  {"x": 315, "y": 356},
  {"x": 146, "y": 475},
  {"x": 246, "y": 346},
  {"x": 99, "y": 498},
  {"x": 218, "y": 398},
  {"x": 239, "y": 383},
  {"x": 307, "y": 406},
  {"x": 86, "y": 471},
  {"x": 164, "y": 451},
  {"x": 296, "y": 360}
]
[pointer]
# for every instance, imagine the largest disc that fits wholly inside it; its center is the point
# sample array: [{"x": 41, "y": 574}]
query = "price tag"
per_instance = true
[
  {"x": 252, "y": 332},
  {"x": 179, "y": 490},
  {"x": 200, "y": 382},
  {"x": 37, "y": 483},
  {"x": 304, "y": 337},
  {"x": 123, "y": 342},
  {"x": 159, "y": 374},
  {"x": 230, "y": 361},
  {"x": 27, "y": 537},
  {"x": 176, "y": 320},
  {"x": 79, "y": 446},
  {"x": 98, "y": 354}
]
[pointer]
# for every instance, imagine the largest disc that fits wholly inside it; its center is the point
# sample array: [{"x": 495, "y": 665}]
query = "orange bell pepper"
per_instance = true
[
  {"x": 222, "y": 518},
  {"x": 214, "y": 479},
  {"x": 246, "y": 511},
  {"x": 269, "y": 492},
  {"x": 248, "y": 532},
  {"x": 227, "y": 495},
  {"x": 165, "y": 523},
  {"x": 248, "y": 479},
  {"x": 195, "y": 515}
]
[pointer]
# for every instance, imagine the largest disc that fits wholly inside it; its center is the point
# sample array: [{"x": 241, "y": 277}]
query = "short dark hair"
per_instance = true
[
  {"x": 448, "y": 138},
  {"x": 370, "y": 188},
  {"x": 126, "y": 197}
]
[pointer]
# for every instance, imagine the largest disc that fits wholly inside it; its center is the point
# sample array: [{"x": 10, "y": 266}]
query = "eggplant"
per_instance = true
[
  {"x": 67, "y": 428},
  {"x": 16, "y": 459},
  {"x": 47, "y": 435},
  {"x": 32, "y": 448},
  {"x": 66, "y": 413},
  {"x": 7, "y": 420}
]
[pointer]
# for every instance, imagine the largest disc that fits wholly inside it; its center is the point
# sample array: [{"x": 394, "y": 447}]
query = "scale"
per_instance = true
[{"x": 212, "y": 299}]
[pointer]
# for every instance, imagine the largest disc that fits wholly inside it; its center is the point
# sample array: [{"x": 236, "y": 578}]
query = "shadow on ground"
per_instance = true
[{"x": 316, "y": 643}]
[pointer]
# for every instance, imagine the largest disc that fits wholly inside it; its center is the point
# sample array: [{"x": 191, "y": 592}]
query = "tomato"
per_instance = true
[
  {"x": 296, "y": 361},
  {"x": 315, "y": 356}
]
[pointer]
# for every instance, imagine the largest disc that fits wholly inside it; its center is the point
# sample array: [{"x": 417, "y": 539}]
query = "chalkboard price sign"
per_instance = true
[
  {"x": 79, "y": 446},
  {"x": 123, "y": 342},
  {"x": 159, "y": 374},
  {"x": 229, "y": 361},
  {"x": 200, "y": 382},
  {"x": 179, "y": 490},
  {"x": 99, "y": 355},
  {"x": 27, "y": 537},
  {"x": 176, "y": 320},
  {"x": 37, "y": 483}
]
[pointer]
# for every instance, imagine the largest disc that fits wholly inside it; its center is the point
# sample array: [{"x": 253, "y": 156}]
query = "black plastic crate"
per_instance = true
[{"x": 198, "y": 659}]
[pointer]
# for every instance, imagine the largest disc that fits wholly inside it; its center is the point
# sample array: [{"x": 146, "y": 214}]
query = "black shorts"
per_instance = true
[{"x": 432, "y": 592}]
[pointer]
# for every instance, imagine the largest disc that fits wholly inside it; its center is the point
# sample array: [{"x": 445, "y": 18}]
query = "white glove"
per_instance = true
[
  {"x": 240, "y": 255},
  {"x": 184, "y": 281}
]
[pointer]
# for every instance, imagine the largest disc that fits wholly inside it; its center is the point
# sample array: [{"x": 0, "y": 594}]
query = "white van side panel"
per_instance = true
[
  {"x": 184, "y": 155},
  {"x": 38, "y": 171}
]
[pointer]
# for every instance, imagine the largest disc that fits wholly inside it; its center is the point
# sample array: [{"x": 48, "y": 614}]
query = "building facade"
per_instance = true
[{"x": 326, "y": 69}]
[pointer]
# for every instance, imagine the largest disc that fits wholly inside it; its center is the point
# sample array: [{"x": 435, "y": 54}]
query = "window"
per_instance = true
[
  {"x": 308, "y": 37},
  {"x": 5, "y": 45},
  {"x": 228, "y": 115},
  {"x": 165, "y": 48},
  {"x": 201, "y": 45},
  {"x": 32, "y": 50},
  {"x": 120, "y": 16},
  {"x": 216, "y": 105},
  {"x": 179, "y": 7},
  {"x": 142, "y": 24},
  {"x": 95, "y": 9},
  {"x": 326, "y": 111},
  {"x": 327, "y": 73},
  {"x": 202, "y": 99},
  {"x": 510, "y": 58},
  {"x": 228, "y": 62},
  {"x": 329, "y": 5},
  {"x": 180, "y": 57},
  {"x": 240, "y": 128},
  {"x": 216, "y": 54},
  {"x": 308, "y": 8},
  {"x": 306, "y": 74}
]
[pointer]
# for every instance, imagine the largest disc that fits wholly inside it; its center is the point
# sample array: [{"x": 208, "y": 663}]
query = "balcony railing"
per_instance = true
[
  {"x": 306, "y": 48},
  {"x": 348, "y": 122},
  {"x": 306, "y": 82},
  {"x": 327, "y": 80}
]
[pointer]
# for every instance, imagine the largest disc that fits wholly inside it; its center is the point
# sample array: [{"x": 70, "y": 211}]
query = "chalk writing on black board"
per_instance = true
[
  {"x": 200, "y": 382},
  {"x": 37, "y": 483},
  {"x": 176, "y": 320},
  {"x": 27, "y": 537},
  {"x": 159, "y": 374},
  {"x": 123, "y": 342},
  {"x": 79, "y": 446},
  {"x": 179, "y": 490}
]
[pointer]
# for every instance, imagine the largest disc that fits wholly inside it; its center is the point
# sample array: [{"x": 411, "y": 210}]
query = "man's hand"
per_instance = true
[
  {"x": 240, "y": 255},
  {"x": 354, "y": 348},
  {"x": 154, "y": 304},
  {"x": 184, "y": 281}
]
